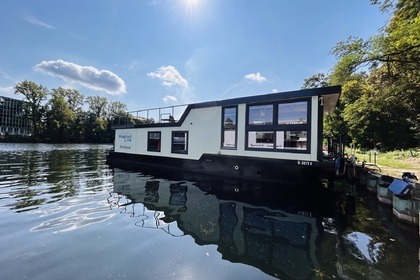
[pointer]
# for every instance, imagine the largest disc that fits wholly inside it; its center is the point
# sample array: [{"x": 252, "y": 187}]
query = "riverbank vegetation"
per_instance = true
[
  {"x": 67, "y": 116},
  {"x": 380, "y": 77},
  {"x": 392, "y": 163}
]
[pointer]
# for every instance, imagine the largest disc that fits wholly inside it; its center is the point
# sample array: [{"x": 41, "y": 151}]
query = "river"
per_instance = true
[{"x": 66, "y": 214}]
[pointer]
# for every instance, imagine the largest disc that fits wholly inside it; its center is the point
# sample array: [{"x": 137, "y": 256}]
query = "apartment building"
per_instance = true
[{"x": 12, "y": 118}]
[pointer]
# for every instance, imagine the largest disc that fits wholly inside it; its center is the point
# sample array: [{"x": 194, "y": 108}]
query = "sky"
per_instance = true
[{"x": 154, "y": 53}]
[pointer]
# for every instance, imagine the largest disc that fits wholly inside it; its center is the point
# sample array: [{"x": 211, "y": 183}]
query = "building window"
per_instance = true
[
  {"x": 293, "y": 140},
  {"x": 153, "y": 141},
  {"x": 180, "y": 142},
  {"x": 229, "y": 129},
  {"x": 260, "y": 114},
  {"x": 292, "y": 113}
]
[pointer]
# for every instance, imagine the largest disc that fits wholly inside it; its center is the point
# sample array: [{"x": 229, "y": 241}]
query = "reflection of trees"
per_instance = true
[
  {"x": 31, "y": 165},
  {"x": 48, "y": 174},
  {"x": 26, "y": 200}
]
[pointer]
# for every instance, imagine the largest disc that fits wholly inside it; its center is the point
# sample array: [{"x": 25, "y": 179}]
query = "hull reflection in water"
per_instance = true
[{"x": 255, "y": 225}]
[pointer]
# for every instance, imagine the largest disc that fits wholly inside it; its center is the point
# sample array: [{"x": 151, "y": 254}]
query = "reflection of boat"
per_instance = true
[
  {"x": 243, "y": 137},
  {"x": 279, "y": 242}
]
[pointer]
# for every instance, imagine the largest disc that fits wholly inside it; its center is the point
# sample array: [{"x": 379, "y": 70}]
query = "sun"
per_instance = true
[
  {"x": 192, "y": 3},
  {"x": 192, "y": 7}
]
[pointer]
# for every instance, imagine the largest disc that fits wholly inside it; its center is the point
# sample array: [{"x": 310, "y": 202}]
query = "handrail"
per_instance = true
[{"x": 166, "y": 114}]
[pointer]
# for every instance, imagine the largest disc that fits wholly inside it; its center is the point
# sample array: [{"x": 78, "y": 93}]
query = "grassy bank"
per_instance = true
[{"x": 392, "y": 163}]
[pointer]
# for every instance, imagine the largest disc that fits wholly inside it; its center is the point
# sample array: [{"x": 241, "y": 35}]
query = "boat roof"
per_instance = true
[
  {"x": 330, "y": 98},
  {"x": 329, "y": 95}
]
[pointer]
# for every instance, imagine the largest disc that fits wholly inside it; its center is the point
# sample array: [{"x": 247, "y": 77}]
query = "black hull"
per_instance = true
[{"x": 238, "y": 167}]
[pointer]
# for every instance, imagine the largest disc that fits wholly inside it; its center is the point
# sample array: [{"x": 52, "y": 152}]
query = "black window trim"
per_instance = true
[
  {"x": 223, "y": 128},
  {"x": 186, "y": 139},
  {"x": 261, "y": 104},
  {"x": 160, "y": 141},
  {"x": 280, "y": 127}
]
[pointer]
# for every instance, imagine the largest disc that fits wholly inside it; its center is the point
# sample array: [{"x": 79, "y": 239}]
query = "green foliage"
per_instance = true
[
  {"x": 61, "y": 117},
  {"x": 97, "y": 106},
  {"x": 380, "y": 78},
  {"x": 58, "y": 116},
  {"x": 401, "y": 159},
  {"x": 316, "y": 81},
  {"x": 35, "y": 95}
]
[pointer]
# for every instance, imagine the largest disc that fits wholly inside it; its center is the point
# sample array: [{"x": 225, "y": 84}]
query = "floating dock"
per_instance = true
[{"x": 402, "y": 194}]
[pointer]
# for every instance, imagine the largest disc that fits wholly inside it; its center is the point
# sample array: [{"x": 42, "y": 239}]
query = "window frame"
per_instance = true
[
  {"x": 235, "y": 127},
  {"x": 186, "y": 143},
  {"x": 291, "y": 124},
  {"x": 275, "y": 127},
  {"x": 261, "y": 104},
  {"x": 149, "y": 149},
  {"x": 261, "y": 145},
  {"x": 288, "y": 139}
]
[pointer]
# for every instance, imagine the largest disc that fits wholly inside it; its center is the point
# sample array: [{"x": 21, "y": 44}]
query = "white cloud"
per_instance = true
[
  {"x": 168, "y": 98},
  {"x": 255, "y": 77},
  {"x": 7, "y": 90},
  {"x": 170, "y": 76},
  {"x": 37, "y": 22},
  {"x": 87, "y": 76}
]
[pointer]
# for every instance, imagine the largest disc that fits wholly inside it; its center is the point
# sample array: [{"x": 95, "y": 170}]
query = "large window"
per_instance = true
[
  {"x": 294, "y": 140},
  {"x": 260, "y": 114},
  {"x": 229, "y": 117},
  {"x": 293, "y": 113},
  {"x": 289, "y": 132},
  {"x": 261, "y": 139},
  {"x": 153, "y": 141},
  {"x": 180, "y": 142}
]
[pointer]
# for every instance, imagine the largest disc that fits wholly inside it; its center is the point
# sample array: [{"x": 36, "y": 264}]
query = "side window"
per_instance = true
[
  {"x": 179, "y": 142},
  {"x": 279, "y": 126},
  {"x": 229, "y": 127},
  {"x": 153, "y": 141},
  {"x": 293, "y": 113},
  {"x": 293, "y": 140},
  {"x": 260, "y": 114},
  {"x": 261, "y": 139}
]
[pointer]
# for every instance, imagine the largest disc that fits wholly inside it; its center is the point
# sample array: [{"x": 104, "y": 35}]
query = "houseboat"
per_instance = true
[{"x": 270, "y": 137}]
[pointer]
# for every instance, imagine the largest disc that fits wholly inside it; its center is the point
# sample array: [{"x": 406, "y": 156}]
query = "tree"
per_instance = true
[
  {"x": 97, "y": 106},
  {"x": 116, "y": 109},
  {"x": 96, "y": 126},
  {"x": 34, "y": 95},
  {"x": 382, "y": 105},
  {"x": 63, "y": 114},
  {"x": 316, "y": 81}
]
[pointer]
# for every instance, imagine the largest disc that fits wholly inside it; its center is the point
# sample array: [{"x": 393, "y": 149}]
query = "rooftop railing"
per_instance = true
[{"x": 168, "y": 114}]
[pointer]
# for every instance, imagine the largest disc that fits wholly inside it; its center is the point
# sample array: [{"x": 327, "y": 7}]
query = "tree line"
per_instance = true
[
  {"x": 380, "y": 77},
  {"x": 67, "y": 116}
]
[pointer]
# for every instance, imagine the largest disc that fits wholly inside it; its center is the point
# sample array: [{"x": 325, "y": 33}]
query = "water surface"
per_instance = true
[{"x": 66, "y": 214}]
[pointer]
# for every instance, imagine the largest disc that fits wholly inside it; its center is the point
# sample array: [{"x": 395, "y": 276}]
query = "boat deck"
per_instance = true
[{"x": 168, "y": 114}]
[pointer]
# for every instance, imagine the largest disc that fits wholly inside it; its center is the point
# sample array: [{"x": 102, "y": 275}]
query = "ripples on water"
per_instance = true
[
  {"x": 52, "y": 180},
  {"x": 66, "y": 214}
]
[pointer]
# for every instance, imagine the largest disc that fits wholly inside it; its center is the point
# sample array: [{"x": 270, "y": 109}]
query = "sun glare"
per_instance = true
[{"x": 192, "y": 7}]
